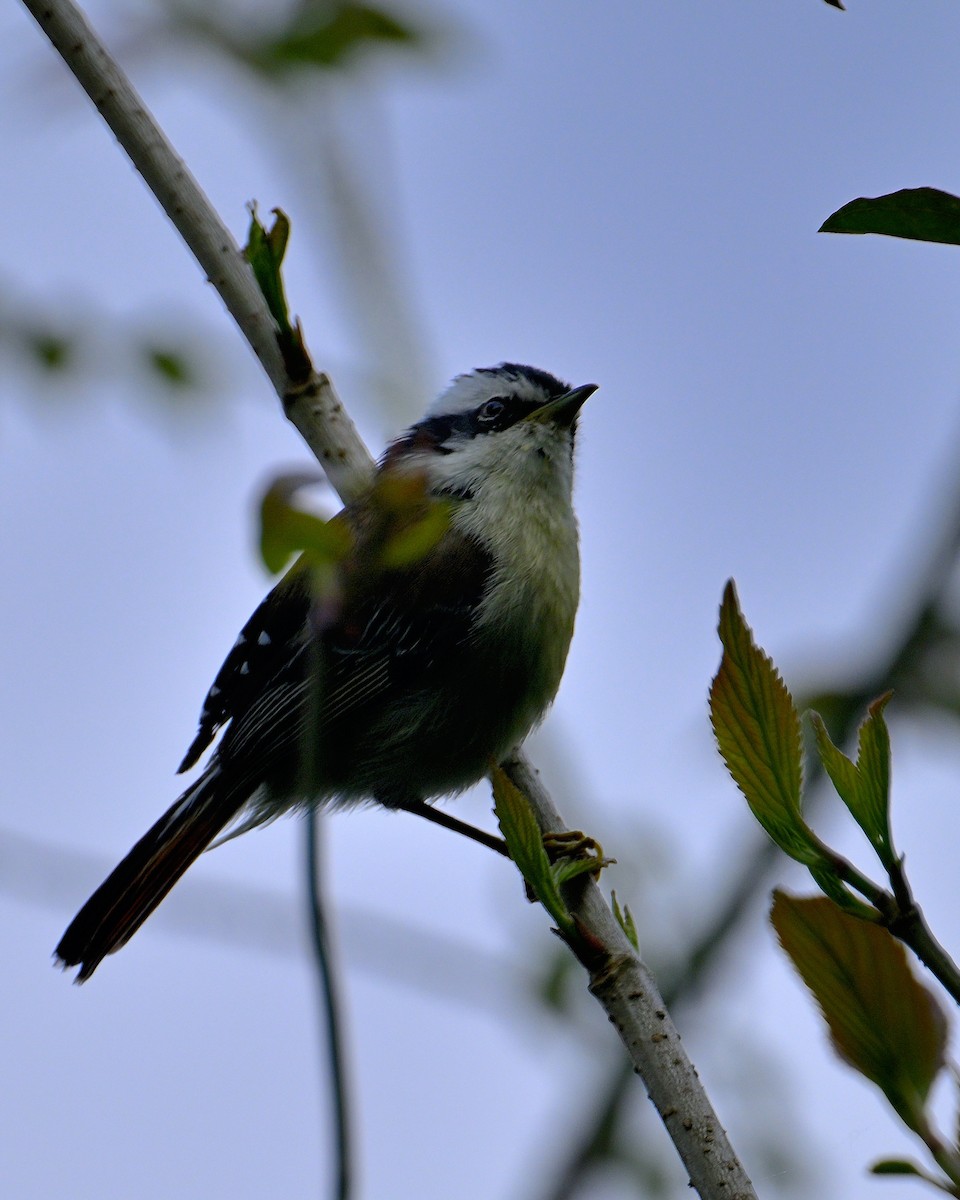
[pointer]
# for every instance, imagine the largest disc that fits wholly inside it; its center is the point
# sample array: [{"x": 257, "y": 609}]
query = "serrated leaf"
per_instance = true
[
  {"x": 286, "y": 530},
  {"x": 840, "y": 770},
  {"x": 882, "y": 1021},
  {"x": 864, "y": 786},
  {"x": 525, "y": 843},
  {"x": 831, "y": 885},
  {"x": 922, "y": 214},
  {"x": 758, "y": 733}
]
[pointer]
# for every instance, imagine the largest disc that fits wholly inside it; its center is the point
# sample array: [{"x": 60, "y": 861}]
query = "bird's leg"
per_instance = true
[{"x": 421, "y": 809}]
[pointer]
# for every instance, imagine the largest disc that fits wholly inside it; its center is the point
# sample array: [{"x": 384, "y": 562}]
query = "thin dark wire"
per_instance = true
[{"x": 331, "y": 1009}]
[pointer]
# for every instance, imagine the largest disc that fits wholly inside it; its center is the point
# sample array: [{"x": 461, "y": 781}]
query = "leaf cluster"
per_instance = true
[{"x": 882, "y": 1021}]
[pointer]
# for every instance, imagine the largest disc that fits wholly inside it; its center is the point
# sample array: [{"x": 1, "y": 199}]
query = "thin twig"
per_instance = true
[{"x": 332, "y": 1009}]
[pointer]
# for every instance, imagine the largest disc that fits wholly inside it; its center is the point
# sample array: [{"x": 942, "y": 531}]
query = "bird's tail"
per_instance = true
[{"x": 131, "y": 892}]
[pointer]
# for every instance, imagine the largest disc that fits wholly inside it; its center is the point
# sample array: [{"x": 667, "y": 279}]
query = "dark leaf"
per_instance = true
[
  {"x": 897, "y": 1166},
  {"x": 922, "y": 214},
  {"x": 323, "y": 35},
  {"x": 830, "y": 883}
]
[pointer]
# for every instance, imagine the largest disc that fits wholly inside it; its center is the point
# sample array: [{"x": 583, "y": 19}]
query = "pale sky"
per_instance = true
[{"x": 622, "y": 194}]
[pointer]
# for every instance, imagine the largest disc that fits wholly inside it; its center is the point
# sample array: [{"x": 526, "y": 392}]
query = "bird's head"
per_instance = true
[{"x": 509, "y": 427}]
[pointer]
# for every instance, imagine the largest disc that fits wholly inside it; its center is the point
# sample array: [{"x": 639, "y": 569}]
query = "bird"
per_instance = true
[{"x": 424, "y": 659}]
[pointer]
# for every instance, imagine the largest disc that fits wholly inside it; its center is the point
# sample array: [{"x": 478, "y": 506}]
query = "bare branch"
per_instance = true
[{"x": 628, "y": 992}]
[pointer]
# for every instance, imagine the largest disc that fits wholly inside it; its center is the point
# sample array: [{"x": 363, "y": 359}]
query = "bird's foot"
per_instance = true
[{"x": 574, "y": 844}]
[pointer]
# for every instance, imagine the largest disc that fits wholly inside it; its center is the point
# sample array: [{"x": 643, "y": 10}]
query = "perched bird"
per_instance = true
[{"x": 412, "y": 672}]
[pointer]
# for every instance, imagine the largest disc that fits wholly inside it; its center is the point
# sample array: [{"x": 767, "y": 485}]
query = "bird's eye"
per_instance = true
[{"x": 489, "y": 411}]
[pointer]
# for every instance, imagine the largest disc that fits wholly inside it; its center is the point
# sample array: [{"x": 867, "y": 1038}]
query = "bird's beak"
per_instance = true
[{"x": 563, "y": 411}]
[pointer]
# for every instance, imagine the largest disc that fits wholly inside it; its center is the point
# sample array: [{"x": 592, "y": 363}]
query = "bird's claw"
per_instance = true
[{"x": 573, "y": 843}]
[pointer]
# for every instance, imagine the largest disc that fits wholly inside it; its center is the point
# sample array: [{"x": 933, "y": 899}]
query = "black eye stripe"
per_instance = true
[
  {"x": 500, "y": 412},
  {"x": 443, "y": 432}
]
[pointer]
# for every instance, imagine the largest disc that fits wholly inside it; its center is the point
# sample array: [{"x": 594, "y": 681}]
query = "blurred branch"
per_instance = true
[
  {"x": 262, "y": 921},
  {"x": 309, "y": 402},
  {"x": 332, "y": 1009}
]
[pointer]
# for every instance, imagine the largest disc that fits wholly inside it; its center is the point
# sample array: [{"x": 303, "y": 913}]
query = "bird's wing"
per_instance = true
[
  {"x": 311, "y": 656},
  {"x": 274, "y": 634}
]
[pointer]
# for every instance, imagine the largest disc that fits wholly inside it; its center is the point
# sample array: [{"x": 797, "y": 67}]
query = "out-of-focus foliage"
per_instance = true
[
  {"x": 170, "y": 363},
  {"x": 314, "y": 35},
  {"x": 287, "y": 530}
]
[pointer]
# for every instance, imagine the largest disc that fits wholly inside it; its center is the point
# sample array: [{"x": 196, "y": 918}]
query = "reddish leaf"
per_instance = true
[{"x": 882, "y": 1021}]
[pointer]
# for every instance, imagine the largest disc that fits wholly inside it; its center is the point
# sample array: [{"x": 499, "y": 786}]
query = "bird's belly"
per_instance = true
[{"x": 444, "y": 734}]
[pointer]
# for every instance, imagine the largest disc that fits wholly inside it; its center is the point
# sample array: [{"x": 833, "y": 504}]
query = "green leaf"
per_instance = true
[
  {"x": 758, "y": 733},
  {"x": 826, "y": 878},
  {"x": 52, "y": 351},
  {"x": 264, "y": 252},
  {"x": 873, "y": 767},
  {"x": 415, "y": 541},
  {"x": 864, "y": 786},
  {"x": 171, "y": 367},
  {"x": 525, "y": 843},
  {"x": 897, "y": 1166},
  {"x": 286, "y": 530},
  {"x": 882, "y": 1021},
  {"x": 625, "y": 921},
  {"x": 320, "y": 35},
  {"x": 570, "y": 867},
  {"x": 922, "y": 214}
]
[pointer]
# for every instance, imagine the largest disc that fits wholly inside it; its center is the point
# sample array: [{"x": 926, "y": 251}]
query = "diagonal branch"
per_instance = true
[
  {"x": 619, "y": 980},
  {"x": 311, "y": 404},
  {"x": 626, "y": 989}
]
